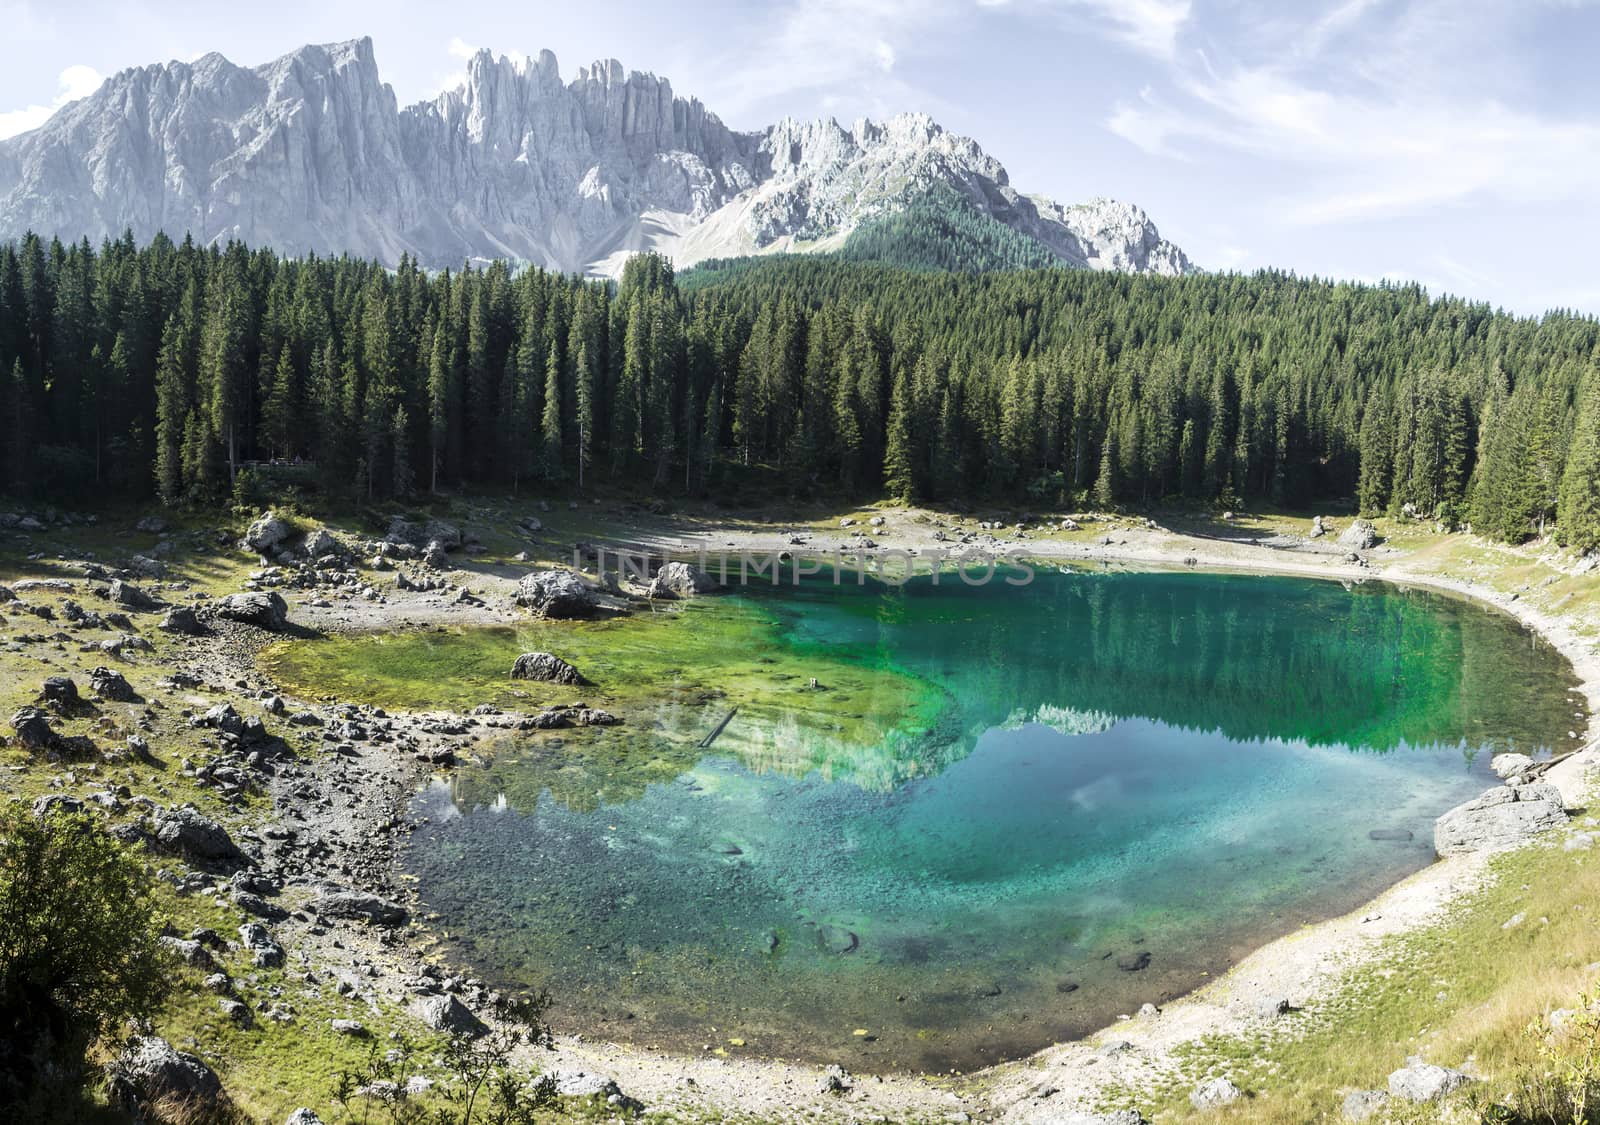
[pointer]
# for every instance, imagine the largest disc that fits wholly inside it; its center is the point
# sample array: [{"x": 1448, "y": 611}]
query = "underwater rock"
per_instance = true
[
  {"x": 546, "y": 667},
  {"x": 1134, "y": 962},
  {"x": 837, "y": 939}
]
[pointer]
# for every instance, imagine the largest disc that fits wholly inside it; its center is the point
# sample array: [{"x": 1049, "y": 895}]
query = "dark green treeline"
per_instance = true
[{"x": 170, "y": 369}]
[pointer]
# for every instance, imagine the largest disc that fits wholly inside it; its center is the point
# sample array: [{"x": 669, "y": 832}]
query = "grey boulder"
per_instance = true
[
  {"x": 188, "y": 833},
  {"x": 180, "y": 619},
  {"x": 358, "y": 906},
  {"x": 443, "y": 1012},
  {"x": 266, "y": 534},
  {"x": 151, "y": 1071},
  {"x": 1424, "y": 1082},
  {"x": 684, "y": 580},
  {"x": 556, "y": 594},
  {"x": 1359, "y": 536},
  {"x": 1503, "y": 817},
  {"x": 263, "y": 609},
  {"x": 129, "y": 596},
  {"x": 1215, "y": 1094}
]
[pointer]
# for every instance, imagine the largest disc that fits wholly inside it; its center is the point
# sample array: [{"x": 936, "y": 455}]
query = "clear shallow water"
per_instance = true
[{"x": 1128, "y": 781}]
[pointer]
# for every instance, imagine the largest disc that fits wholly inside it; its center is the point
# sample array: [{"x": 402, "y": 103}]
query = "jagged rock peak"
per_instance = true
[{"x": 311, "y": 152}]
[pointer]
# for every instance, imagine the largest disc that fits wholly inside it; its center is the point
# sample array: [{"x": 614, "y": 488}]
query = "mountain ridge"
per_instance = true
[{"x": 311, "y": 152}]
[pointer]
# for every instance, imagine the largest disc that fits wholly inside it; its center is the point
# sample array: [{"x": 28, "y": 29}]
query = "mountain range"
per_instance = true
[{"x": 312, "y": 153}]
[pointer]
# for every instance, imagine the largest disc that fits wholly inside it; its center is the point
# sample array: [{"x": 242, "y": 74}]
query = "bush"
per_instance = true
[{"x": 78, "y": 950}]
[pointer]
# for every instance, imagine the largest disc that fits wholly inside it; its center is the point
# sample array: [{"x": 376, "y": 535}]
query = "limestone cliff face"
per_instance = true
[{"x": 312, "y": 153}]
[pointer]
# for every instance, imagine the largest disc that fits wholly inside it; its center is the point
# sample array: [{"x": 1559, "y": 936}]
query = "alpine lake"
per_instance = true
[{"x": 1001, "y": 816}]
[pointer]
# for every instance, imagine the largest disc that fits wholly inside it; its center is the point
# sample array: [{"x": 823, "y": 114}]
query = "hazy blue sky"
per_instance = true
[{"x": 1455, "y": 142}]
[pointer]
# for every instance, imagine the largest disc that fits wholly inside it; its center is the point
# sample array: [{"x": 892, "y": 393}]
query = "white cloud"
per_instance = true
[
  {"x": 75, "y": 82},
  {"x": 461, "y": 49},
  {"x": 1384, "y": 125},
  {"x": 885, "y": 55}
]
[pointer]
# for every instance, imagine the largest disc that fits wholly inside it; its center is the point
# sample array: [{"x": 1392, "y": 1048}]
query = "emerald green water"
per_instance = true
[{"x": 1009, "y": 815}]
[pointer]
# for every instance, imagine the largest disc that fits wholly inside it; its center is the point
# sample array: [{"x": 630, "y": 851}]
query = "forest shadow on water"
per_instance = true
[{"x": 1002, "y": 817}]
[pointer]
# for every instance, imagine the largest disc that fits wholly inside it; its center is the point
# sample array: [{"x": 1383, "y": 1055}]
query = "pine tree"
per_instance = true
[
  {"x": 898, "y": 475},
  {"x": 551, "y": 424},
  {"x": 1578, "y": 513}
]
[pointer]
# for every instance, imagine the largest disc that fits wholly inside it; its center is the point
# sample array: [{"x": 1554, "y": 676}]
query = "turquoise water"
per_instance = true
[{"x": 1133, "y": 779}]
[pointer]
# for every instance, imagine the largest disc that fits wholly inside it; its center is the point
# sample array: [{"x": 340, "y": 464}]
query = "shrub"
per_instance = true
[{"x": 78, "y": 950}]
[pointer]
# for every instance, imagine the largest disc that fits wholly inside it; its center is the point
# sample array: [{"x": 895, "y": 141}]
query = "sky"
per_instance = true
[{"x": 1451, "y": 142}]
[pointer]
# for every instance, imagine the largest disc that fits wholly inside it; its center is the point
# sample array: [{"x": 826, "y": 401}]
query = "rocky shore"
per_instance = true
[{"x": 309, "y": 800}]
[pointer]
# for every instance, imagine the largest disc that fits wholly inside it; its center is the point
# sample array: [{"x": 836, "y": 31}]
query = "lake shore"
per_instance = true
[
  {"x": 1299, "y": 968},
  {"x": 348, "y": 803}
]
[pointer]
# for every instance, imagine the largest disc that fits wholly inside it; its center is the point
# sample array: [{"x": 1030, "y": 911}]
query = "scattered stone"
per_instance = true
[
  {"x": 835, "y": 1080},
  {"x": 265, "y": 953},
  {"x": 151, "y": 525},
  {"x": 1115, "y": 1117},
  {"x": 62, "y": 691},
  {"x": 353, "y": 1028},
  {"x": 129, "y": 596},
  {"x": 303, "y": 1116},
  {"x": 180, "y": 619},
  {"x": 263, "y": 609},
  {"x": 52, "y": 803},
  {"x": 1424, "y": 1082},
  {"x": 252, "y": 903},
  {"x": 1502, "y": 817},
  {"x": 237, "y": 1012},
  {"x": 360, "y": 907},
  {"x": 546, "y": 667},
  {"x": 1318, "y": 529},
  {"x": 443, "y": 1012},
  {"x": 151, "y": 1073},
  {"x": 582, "y": 1084},
  {"x": 558, "y": 594},
  {"x": 112, "y": 686},
  {"x": 1273, "y": 1007},
  {"x": 186, "y": 832},
  {"x": 1360, "y": 1105},
  {"x": 33, "y": 729},
  {"x": 1215, "y": 1094}
]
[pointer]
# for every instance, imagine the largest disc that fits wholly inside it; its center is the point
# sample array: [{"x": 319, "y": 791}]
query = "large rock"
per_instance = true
[
  {"x": 112, "y": 686},
  {"x": 261, "y": 608},
  {"x": 443, "y": 1012},
  {"x": 33, "y": 728},
  {"x": 151, "y": 1073},
  {"x": 180, "y": 619},
  {"x": 684, "y": 580},
  {"x": 1424, "y": 1082},
  {"x": 557, "y": 594},
  {"x": 546, "y": 667},
  {"x": 129, "y": 596},
  {"x": 266, "y": 534},
  {"x": 1502, "y": 817},
  {"x": 1359, "y": 536},
  {"x": 321, "y": 542},
  {"x": 185, "y": 831},
  {"x": 359, "y": 906}
]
